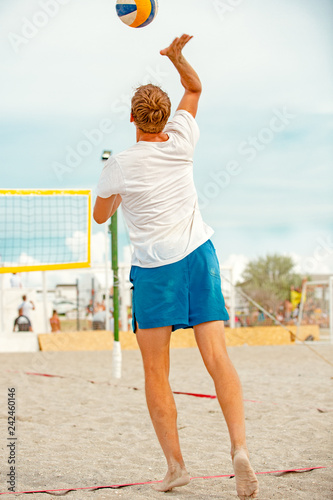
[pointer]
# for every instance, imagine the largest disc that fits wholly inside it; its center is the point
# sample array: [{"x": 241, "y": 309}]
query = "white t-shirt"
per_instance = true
[
  {"x": 160, "y": 202},
  {"x": 27, "y": 308}
]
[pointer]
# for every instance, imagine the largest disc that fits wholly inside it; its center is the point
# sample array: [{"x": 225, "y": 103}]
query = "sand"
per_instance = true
[{"x": 72, "y": 433}]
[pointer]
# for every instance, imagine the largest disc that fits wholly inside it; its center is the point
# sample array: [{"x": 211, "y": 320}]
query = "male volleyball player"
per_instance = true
[{"x": 175, "y": 271}]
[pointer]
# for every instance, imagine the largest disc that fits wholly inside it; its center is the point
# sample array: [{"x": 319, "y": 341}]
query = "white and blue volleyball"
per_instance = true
[{"x": 137, "y": 13}]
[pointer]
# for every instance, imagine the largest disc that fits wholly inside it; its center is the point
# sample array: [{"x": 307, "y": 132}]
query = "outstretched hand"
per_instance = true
[
  {"x": 188, "y": 77},
  {"x": 173, "y": 52}
]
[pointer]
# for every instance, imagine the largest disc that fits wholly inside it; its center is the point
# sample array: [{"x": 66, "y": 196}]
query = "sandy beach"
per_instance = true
[{"x": 72, "y": 433}]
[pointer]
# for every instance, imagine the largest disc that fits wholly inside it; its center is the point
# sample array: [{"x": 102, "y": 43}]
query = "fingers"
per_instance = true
[
  {"x": 184, "y": 39},
  {"x": 176, "y": 45}
]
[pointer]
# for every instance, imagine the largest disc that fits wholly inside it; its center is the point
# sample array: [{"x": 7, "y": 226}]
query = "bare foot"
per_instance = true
[
  {"x": 174, "y": 477},
  {"x": 246, "y": 482}
]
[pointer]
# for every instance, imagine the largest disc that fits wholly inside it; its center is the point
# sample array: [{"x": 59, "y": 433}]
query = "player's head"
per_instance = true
[
  {"x": 24, "y": 298},
  {"x": 54, "y": 312},
  {"x": 151, "y": 108}
]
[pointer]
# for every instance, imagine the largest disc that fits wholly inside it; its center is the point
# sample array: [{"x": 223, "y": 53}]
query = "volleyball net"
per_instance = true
[{"x": 44, "y": 230}]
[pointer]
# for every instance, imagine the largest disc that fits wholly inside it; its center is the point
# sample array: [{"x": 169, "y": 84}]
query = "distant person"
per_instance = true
[
  {"x": 261, "y": 316},
  {"x": 22, "y": 322},
  {"x": 27, "y": 306},
  {"x": 90, "y": 307},
  {"x": 296, "y": 298},
  {"x": 55, "y": 322},
  {"x": 98, "y": 320},
  {"x": 15, "y": 281}
]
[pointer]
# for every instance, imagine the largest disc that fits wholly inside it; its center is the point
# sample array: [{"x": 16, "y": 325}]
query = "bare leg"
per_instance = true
[
  {"x": 211, "y": 342},
  {"x": 154, "y": 345}
]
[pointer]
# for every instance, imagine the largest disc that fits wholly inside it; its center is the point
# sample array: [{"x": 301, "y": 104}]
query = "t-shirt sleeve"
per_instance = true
[
  {"x": 111, "y": 180},
  {"x": 185, "y": 125}
]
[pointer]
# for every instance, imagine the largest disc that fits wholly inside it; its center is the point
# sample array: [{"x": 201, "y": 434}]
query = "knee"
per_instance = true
[{"x": 216, "y": 362}]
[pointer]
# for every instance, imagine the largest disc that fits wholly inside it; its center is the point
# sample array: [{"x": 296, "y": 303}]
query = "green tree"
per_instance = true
[{"x": 267, "y": 280}]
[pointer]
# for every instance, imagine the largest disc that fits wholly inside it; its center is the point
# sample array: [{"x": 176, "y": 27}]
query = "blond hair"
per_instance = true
[{"x": 151, "y": 108}]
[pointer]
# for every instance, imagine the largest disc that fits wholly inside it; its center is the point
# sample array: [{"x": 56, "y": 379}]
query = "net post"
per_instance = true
[
  {"x": 116, "y": 358},
  {"x": 232, "y": 304},
  {"x": 107, "y": 287},
  {"x": 114, "y": 245}
]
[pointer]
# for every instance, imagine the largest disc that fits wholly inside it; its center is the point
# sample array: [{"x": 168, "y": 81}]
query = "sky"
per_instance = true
[{"x": 263, "y": 165}]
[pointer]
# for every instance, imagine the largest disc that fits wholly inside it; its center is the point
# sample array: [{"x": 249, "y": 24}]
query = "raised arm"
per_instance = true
[{"x": 188, "y": 77}]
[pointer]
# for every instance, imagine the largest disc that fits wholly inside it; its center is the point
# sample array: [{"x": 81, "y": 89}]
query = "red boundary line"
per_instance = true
[
  {"x": 115, "y": 486},
  {"x": 194, "y": 394},
  {"x": 174, "y": 392},
  {"x": 212, "y": 397}
]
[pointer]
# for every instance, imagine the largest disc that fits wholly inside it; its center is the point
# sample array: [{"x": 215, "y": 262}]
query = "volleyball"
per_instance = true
[{"x": 137, "y": 13}]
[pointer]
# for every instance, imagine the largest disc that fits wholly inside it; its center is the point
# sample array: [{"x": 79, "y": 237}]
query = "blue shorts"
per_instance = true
[{"x": 183, "y": 294}]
